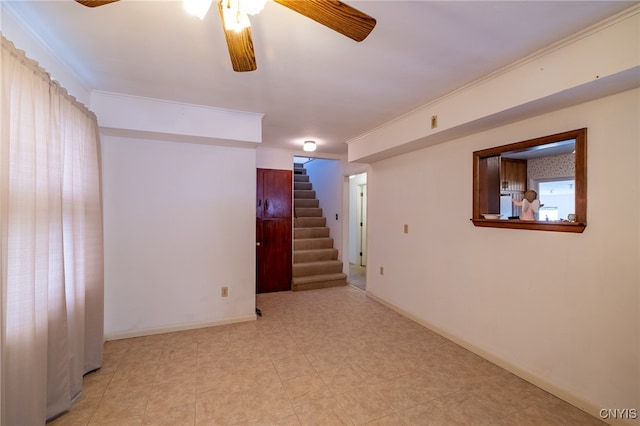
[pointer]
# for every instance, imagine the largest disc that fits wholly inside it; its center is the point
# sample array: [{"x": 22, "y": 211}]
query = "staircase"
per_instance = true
[{"x": 315, "y": 260}]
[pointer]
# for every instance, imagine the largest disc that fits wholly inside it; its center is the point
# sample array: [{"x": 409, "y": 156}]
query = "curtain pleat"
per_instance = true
[{"x": 51, "y": 243}]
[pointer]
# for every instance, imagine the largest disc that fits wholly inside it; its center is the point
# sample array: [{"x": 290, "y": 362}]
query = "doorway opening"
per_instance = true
[
  {"x": 358, "y": 230},
  {"x": 318, "y": 256}
]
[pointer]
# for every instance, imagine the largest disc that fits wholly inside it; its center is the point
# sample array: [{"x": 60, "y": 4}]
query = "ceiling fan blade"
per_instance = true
[
  {"x": 334, "y": 14},
  {"x": 240, "y": 46},
  {"x": 95, "y": 3}
]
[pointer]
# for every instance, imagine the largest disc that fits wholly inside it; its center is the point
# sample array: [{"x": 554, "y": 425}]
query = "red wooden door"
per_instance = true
[
  {"x": 273, "y": 230},
  {"x": 276, "y": 193},
  {"x": 273, "y": 256}
]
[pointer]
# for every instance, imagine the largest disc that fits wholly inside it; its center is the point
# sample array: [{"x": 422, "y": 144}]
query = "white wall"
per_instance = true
[
  {"x": 179, "y": 224},
  {"x": 560, "y": 309},
  {"x": 278, "y": 158},
  {"x": 269, "y": 158},
  {"x": 140, "y": 117}
]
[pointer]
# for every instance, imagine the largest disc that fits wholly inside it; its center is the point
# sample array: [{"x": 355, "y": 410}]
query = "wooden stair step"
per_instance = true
[
  {"x": 315, "y": 255},
  {"x": 308, "y": 212},
  {"x": 304, "y": 193},
  {"x": 309, "y": 222},
  {"x": 310, "y": 232},
  {"x": 306, "y": 202},
  {"x": 312, "y": 243},
  {"x": 317, "y": 268},
  {"x": 318, "y": 281},
  {"x": 298, "y": 186}
]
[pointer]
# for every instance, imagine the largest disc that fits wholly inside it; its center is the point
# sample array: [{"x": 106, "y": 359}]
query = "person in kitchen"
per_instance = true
[{"x": 530, "y": 205}]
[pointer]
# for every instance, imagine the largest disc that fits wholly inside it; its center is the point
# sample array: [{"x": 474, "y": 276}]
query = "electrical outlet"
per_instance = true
[{"x": 224, "y": 292}]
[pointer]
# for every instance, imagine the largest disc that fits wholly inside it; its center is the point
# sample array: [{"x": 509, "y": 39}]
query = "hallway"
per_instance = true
[{"x": 358, "y": 276}]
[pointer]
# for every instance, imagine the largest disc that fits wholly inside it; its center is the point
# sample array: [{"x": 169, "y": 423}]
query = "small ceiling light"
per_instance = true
[
  {"x": 309, "y": 146},
  {"x": 197, "y": 8}
]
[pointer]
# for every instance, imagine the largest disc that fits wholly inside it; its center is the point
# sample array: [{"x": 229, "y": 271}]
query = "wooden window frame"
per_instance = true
[{"x": 577, "y": 226}]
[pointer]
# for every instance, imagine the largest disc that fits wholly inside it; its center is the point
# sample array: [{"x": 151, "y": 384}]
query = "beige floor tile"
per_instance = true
[
  {"x": 405, "y": 392},
  {"x": 393, "y": 419},
  {"x": 133, "y": 374},
  {"x": 323, "y": 357},
  {"x": 212, "y": 343},
  {"x": 170, "y": 415},
  {"x": 257, "y": 355},
  {"x": 376, "y": 370},
  {"x": 327, "y": 359},
  {"x": 73, "y": 417},
  {"x": 177, "y": 371},
  {"x": 322, "y": 412},
  {"x": 221, "y": 379},
  {"x": 142, "y": 354},
  {"x": 207, "y": 362},
  {"x": 439, "y": 383},
  {"x": 280, "y": 418},
  {"x": 257, "y": 375},
  {"x": 456, "y": 409},
  {"x": 220, "y": 408},
  {"x": 296, "y": 366},
  {"x": 283, "y": 348},
  {"x": 94, "y": 385},
  {"x": 554, "y": 415},
  {"x": 363, "y": 405},
  {"x": 265, "y": 401},
  {"x": 342, "y": 379},
  {"x": 305, "y": 389},
  {"x": 131, "y": 421},
  {"x": 171, "y": 394},
  {"x": 313, "y": 344},
  {"x": 121, "y": 405},
  {"x": 243, "y": 345}
]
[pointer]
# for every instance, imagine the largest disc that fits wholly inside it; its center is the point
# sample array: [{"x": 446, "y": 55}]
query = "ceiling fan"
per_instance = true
[{"x": 334, "y": 14}]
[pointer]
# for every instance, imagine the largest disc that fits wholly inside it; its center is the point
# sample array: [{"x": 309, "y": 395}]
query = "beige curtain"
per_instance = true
[{"x": 51, "y": 253}]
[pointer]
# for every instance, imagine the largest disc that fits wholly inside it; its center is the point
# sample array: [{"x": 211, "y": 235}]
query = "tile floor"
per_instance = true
[{"x": 321, "y": 357}]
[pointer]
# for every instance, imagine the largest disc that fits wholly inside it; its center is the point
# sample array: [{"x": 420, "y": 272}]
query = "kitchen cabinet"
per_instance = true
[{"x": 513, "y": 184}]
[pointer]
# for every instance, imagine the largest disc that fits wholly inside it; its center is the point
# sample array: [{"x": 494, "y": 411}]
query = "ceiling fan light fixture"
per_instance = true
[
  {"x": 253, "y": 7},
  {"x": 236, "y": 12},
  {"x": 197, "y": 8},
  {"x": 309, "y": 146},
  {"x": 234, "y": 19}
]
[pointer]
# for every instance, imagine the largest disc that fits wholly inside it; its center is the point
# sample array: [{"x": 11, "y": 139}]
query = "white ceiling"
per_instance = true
[{"x": 311, "y": 82}]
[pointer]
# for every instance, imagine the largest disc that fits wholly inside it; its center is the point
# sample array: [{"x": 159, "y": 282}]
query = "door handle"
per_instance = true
[{"x": 258, "y": 243}]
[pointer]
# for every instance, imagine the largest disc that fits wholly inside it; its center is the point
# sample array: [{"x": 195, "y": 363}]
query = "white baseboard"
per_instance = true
[
  {"x": 538, "y": 381},
  {"x": 180, "y": 327}
]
